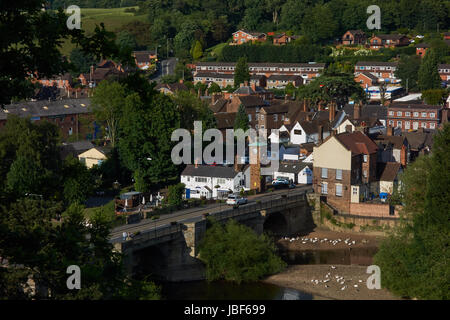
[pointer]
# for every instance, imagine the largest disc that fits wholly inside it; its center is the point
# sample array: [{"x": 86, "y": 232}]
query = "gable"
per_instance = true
[
  {"x": 333, "y": 155},
  {"x": 92, "y": 154}
]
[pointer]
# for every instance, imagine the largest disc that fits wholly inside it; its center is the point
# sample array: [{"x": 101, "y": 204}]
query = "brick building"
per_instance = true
[
  {"x": 243, "y": 36},
  {"x": 144, "y": 59},
  {"x": 72, "y": 116},
  {"x": 384, "y": 71},
  {"x": 388, "y": 41},
  {"x": 421, "y": 49},
  {"x": 444, "y": 71},
  {"x": 352, "y": 37},
  {"x": 344, "y": 169},
  {"x": 413, "y": 116}
]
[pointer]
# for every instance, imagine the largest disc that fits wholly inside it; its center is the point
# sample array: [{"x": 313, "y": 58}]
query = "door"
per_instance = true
[{"x": 188, "y": 193}]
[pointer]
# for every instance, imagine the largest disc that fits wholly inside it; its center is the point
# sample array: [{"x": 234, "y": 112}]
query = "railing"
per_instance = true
[{"x": 221, "y": 215}]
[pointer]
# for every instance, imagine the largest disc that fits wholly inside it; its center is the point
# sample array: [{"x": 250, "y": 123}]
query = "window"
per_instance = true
[
  {"x": 365, "y": 173},
  {"x": 391, "y": 113},
  {"x": 262, "y": 117},
  {"x": 399, "y": 113},
  {"x": 299, "y": 132},
  {"x": 221, "y": 181},
  {"x": 200, "y": 179},
  {"x": 249, "y": 117},
  {"x": 408, "y": 114},
  {"x": 324, "y": 173},
  {"x": 391, "y": 122},
  {"x": 338, "y": 174},
  {"x": 365, "y": 158},
  {"x": 423, "y": 124},
  {"x": 432, "y": 115},
  {"x": 399, "y": 124},
  {"x": 424, "y": 114},
  {"x": 324, "y": 188},
  {"x": 83, "y": 160},
  {"x": 416, "y": 114},
  {"x": 432, "y": 125},
  {"x": 275, "y": 117},
  {"x": 355, "y": 190},
  {"x": 339, "y": 190}
]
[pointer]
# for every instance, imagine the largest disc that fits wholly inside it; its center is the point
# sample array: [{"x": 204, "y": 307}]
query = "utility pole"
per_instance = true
[
  {"x": 167, "y": 47},
  {"x": 407, "y": 85}
]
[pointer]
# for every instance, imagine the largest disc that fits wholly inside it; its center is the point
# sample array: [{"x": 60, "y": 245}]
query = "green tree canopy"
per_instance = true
[
  {"x": 408, "y": 71},
  {"x": 414, "y": 259},
  {"x": 236, "y": 253},
  {"x": 241, "y": 72},
  {"x": 241, "y": 121},
  {"x": 428, "y": 76}
]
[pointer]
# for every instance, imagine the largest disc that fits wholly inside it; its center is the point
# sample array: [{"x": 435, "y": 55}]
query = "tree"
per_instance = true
[
  {"x": 428, "y": 76},
  {"x": 319, "y": 23},
  {"x": 41, "y": 248},
  {"x": 126, "y": 40},
  {"x": 78, "y": 181},
  {"x": 241, "y": 72},
  {"x": 236, "y": 253},
  {"x": 241, "y": 121},
  {"x": 175, "y": 196},
  {"x": 415, "y": 257},
  {"x": 214, "y": 88},
  {"x": 108, "y": 102},
  {"x": 81, "y": 62},
  {"x": 197, "y": 50},
  {"x": 32, "y": 45},
  {"x": 435, "y": 96},
  {"x": 407, "y": 71}
]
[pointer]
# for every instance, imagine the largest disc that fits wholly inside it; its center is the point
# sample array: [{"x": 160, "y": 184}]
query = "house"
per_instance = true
[
  {"x": 444, "y": 71},
  {"x": 388, "y": 177},
  {"x": 96, "y": 75},
  {"x": 73, "y": 117},
  {"x": 244, "y": 36},
  {"x": 74, "y": 149},
  {"x": 362, "y": 115},
  {"x": 281, "y": 81},
  {"x": 296, "y": 171},
  {"x": 388, "y": 41},
  {"x": 211, "y": 182},
  {"x": 171, "y": 88},
  {"x": 308, "y": 131},
  {"x": 384, "y": 71},
  {"x": 392, "y": 148},
  {"x": 307, "y": 71},
  {"x": 222, "y": 79},
  {"x": 289, "y": 152},
  {"x": 61, "y": 82},
  {"x": 144, "y": 59},
  {"x": 421, "y": 49},
  {"x": 352, "y": 37},
  {"x": 366, "y": 79},
  {"x": 412, "y": 116},
  {"x": 282, "y": 39},
  {"x": 344, "y": 168},
  {"x": 93, "y": 156},
  {"x": 420, "y": 142}
]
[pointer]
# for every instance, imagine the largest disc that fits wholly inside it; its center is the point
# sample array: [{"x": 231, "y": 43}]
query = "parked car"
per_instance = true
[
  {"x": 236, "y": 200},
  {"x": 281, "y": 182}
]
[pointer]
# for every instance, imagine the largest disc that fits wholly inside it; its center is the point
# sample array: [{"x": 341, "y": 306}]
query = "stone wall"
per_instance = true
[{"x": 373, "y": 210}]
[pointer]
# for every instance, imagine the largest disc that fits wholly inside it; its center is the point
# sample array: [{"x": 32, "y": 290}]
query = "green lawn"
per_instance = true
[
  {"x": 216, "y": 50},
  {"x": 113, "y": 20}
]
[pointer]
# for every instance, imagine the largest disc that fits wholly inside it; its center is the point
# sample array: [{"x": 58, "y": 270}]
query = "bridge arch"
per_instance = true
[
  {"x": 151, "y": 261},
  {"x": 276, "y": 224}
]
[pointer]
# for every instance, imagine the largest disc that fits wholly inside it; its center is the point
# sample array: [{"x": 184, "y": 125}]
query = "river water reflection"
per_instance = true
[{"x": 221, "y": 290}]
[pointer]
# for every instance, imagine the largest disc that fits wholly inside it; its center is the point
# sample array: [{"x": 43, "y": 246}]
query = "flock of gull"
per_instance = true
[
  {"x": 339, "y": 279},
  {"x": 304, "y": 240}
]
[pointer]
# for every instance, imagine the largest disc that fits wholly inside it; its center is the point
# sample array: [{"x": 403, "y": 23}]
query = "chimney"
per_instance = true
[
  {"x": 390, "y": 131},
  {"x": 320, "y": 131},
  {"x": 356, "y": 111},
  {"x": 444, "y": 116},
  {"x": 331, "y": 110}
]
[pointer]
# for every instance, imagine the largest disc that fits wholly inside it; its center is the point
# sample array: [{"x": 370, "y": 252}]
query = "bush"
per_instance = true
[{"x": 236, "y": 253}]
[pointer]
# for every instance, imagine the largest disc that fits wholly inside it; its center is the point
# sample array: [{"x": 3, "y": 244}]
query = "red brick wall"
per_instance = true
[{"x": 371, "y": 210}]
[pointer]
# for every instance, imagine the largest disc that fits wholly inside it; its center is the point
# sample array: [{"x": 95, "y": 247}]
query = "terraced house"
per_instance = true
[
  {"x": 384, "y": 71},
  {"x": 414, "y": 116},
  {"x": 345, "y": 166}
]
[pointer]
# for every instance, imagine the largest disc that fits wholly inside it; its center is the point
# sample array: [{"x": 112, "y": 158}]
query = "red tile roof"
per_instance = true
[{"x": 357, "y": 143}]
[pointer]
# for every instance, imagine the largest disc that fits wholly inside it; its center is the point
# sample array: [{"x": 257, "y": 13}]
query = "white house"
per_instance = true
[
  {"x": 388, "y": 176},
  {"x": 298, "y": 172},
  {"x": 211, "y": 181},
  {"x": 306, "y": 132}
]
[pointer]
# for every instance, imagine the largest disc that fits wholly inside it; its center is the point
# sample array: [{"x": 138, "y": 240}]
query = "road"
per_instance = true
[
  {"x": 165, "y": 67},
  {"x": 166, "y": 219}
]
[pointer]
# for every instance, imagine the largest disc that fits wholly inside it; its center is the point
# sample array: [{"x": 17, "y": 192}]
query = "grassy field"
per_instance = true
[{"x": 113, "y": 20}]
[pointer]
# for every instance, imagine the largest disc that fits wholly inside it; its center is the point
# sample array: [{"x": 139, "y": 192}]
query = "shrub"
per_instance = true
[{"x": 236, "y": 253}]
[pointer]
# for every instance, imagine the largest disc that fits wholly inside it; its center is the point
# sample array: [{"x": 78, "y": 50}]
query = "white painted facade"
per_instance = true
[{"x": 206, "y": 186}]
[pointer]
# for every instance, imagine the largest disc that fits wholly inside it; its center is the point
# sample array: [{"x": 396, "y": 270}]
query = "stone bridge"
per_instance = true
[{"x": 171, "y": 252}]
